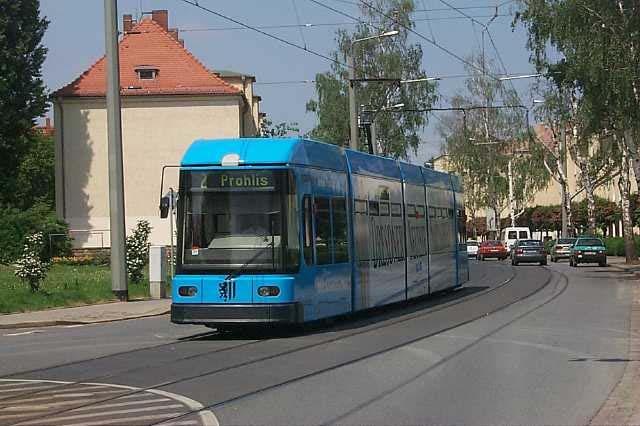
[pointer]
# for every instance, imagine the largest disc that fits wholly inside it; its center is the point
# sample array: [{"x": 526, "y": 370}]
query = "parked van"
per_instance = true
[{"x": 509, "y": 235}]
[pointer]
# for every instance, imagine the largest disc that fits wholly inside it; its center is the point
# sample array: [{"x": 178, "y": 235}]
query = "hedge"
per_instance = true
[
  {"x": 615, "y": 245},
  {"x": 16, "y": 224}
]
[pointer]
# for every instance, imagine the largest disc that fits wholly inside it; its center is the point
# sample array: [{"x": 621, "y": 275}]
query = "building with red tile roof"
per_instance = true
[{"x": 169, "y": 98}]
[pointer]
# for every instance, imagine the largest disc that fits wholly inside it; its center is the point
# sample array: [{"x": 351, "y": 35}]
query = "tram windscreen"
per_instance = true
[{"x": 239, "y": 220}]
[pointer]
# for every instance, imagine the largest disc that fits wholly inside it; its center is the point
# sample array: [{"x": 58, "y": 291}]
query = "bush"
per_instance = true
[
  {"x": 615, "y": 245},
  {"x": 16, "y": 225},
  {"x": 31, "y": 268},
  {"x": 138, "y": 251}
]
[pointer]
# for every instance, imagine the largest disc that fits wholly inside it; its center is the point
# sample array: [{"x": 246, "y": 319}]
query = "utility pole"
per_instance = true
[
  {"x": 563, "y": 195},
  {"x": 114, "y": 137},
  {"x": 512, "y": 198},
  {"x": 353, "y": 115}
]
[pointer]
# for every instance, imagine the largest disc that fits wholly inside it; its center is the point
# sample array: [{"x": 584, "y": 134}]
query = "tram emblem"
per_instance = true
[{"x": 227, "y": 290}]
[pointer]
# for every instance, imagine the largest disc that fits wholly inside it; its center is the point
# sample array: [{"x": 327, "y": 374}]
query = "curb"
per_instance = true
[{"x": 53, "y": 323}]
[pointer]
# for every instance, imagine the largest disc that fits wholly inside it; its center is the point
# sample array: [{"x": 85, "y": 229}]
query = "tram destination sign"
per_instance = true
[{"x": 236, "y": 180}]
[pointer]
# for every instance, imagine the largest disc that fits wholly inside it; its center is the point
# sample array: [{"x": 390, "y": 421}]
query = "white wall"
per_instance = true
[{"x": 156, "y": 131}]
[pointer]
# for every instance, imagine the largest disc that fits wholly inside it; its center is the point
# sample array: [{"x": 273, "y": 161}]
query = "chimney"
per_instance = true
[
  {"x": 127, "y": 23},
  {"x": 181, "y": 41},
  {"x": 161, "y": 17},
  {"x": 173, "y": 32}
]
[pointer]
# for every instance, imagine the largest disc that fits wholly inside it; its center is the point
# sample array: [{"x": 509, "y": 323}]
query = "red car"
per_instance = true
[{"x": 492, "y": 248}]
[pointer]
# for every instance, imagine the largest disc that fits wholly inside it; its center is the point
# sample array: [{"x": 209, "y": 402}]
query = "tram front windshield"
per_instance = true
[{"x": 238, "y": 220}]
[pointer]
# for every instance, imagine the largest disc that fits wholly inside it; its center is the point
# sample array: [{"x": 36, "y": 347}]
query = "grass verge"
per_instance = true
[{"x": 65, "y": 285}]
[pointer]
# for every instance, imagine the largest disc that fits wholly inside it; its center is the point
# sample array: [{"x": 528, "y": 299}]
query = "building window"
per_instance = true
[{"x": 147, "y": 73}]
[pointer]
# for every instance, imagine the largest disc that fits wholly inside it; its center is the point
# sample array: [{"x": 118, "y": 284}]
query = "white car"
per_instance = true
[{"x": 472, "y": 248}]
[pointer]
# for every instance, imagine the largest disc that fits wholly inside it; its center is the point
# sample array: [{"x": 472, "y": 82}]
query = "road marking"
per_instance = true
[
  {"x": 121, "y": 404},
  {"x": 24, "y": 333},
  {"x": 13, "y": 389},
  {"x": 145, "y": 404},
  {"x": 124, "y": 420},
  {"x": 106, "y": 413}
]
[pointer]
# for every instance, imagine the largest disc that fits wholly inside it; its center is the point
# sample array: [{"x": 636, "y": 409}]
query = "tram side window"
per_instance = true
[
  {"x": 341, "y": 244},
  {"x": 323, "y": 231},
  {"x": 307, "y": 229}
]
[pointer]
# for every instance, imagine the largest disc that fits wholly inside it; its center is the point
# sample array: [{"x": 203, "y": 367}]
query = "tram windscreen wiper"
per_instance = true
[{"x": 270, "y": 245}]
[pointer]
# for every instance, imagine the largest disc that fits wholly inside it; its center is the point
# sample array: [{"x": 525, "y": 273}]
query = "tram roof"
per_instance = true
[
  {"x": 266, "y": 151},
  {"x": 305, "y": 152}
]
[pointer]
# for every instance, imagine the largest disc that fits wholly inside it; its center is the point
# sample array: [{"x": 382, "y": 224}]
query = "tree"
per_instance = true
[
  {"x": 22, "y": 90},
  {"x": 489, "y": 144},
  {"x": 598, "y": 42},
  {"x": 35, "y": 180},
  {"x": 391, "y": 57},
  {"x": 269, "y": 130}
]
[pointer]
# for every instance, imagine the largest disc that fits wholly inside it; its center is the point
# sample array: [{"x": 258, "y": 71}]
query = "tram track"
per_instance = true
[
  {"x": 280, "y": 354},
  {"x": 565, "y": 284},
  {"x": 200, "y": 336}
]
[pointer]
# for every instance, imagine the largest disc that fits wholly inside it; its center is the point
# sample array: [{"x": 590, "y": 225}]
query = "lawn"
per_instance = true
[{"x": 66, "y": 285}]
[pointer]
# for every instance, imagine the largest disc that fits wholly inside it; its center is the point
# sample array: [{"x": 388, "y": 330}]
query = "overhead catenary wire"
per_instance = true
[
  {"x": 195, "y": 3},
  {"x": 423, "y": 37},
  {"x": 295, "y": 9},
  {"x": 323, "y": 24}
]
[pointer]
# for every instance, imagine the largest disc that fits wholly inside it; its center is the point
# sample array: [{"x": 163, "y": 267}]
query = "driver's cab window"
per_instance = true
[
  {"x": 524, "y": 235},
  {"x": 513, "y": 235}
]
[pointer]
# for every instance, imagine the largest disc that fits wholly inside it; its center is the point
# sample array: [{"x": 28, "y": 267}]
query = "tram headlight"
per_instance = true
[
  {"x": 188, "y": 291},
  {"x": 268, "y": 291}
]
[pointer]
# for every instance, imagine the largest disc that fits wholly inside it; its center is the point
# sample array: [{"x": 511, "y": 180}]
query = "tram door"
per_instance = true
[{"x": 416, "y": 238}]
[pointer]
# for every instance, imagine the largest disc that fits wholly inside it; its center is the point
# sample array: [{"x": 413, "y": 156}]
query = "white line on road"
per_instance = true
[
  {"x": 206, "y": 417},
  {"x": 14, "y": 389},
  {"x": 105, "y": 413},
  {"x": 124, "y": 420},
  {"x": 24, "y": 333},
  {"x": 121, "y": 404}
]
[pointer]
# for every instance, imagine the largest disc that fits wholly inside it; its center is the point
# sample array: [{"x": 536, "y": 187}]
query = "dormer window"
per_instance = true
[{"x": 147, "y": 72}]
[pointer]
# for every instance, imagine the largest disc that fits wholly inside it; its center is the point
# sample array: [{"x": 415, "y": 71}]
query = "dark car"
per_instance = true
[
  {"x": 588, "y": 250},
  {"x": 492, "y": 248},
  {"x": 528, "y": 251},
  {"x": 561, "y": 248}
]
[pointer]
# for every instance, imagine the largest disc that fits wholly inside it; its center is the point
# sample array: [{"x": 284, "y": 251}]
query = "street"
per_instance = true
[{"x": 523, "y": 345}]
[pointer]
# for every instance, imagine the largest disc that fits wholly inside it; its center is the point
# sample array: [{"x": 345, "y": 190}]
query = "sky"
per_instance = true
[{"x": 75, "y": 40}]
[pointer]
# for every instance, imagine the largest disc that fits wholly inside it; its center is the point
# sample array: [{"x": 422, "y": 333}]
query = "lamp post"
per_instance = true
[{"x": 353, "y": 118}]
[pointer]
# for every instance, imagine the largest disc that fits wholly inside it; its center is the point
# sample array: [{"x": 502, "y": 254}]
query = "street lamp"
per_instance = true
[
  {"x": 353, "y": 119},
  {"x": 518, "y": 77}
]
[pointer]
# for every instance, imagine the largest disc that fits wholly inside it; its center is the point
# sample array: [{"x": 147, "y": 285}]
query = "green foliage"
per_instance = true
[
  {"x": 30, "y": 267},
  {"x": 606, "y": 213},
  {"x": 35, "y": 182},
  {"x": 64, "y": 286},
  {"x": 615, "y": 246},
  {"x": 22, "y": 90},
  {"x": 16, "y": 224},
  {"x": 481, "y": 141},
  {"x": 390, "y": 57},
  {"x": 269, "y": 130},
  {"x": 137, "y": 245}
]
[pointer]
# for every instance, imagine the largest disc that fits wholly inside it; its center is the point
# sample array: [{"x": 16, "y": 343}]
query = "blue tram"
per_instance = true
[{"x": 295, "y": 230}]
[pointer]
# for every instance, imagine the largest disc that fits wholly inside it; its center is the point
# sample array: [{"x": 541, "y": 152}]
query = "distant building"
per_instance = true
[
  {"x": 45, "y": 129},
  {"x": 169, "y": 98},
  {"x": 551, "y": 194}
]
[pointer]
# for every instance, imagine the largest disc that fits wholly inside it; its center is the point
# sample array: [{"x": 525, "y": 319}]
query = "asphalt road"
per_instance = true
[{"x": 524, "y": 345}]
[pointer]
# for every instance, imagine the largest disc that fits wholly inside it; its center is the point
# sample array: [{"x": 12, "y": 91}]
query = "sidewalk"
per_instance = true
[
  {"x": 623, "y": 405},
  {"x": 89, "y": 314}
]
